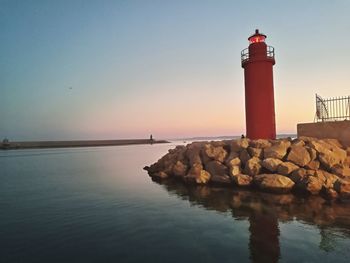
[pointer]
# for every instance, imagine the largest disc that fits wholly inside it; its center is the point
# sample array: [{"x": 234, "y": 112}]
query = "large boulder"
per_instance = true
[
  {"x": 333, "y": 142},
  {"x": 223, "y": 143},
  {"x": 286, "y": 168},
  {"x": 177, "y": 154},
  {"x": 218, "y": 171},
  {"x": 341, "y": 170},
  {"x": 193, "y": 153},
  {"x": 307, "y": 138},
  {"x": 278, "y": 150},
  {"x": 160, "y": 175},
  {"x": 224, "y": 180},
  {"x": 330, "y": 159},
  {"x": 298, "y": 142},
  {"x": 164, "y": 164},
  {"x": 317, "y": 181},
  {"x": 244, "y": 156},
  {"x": 153, "y": 168},
  {"x": 180, "y": 169},
  {"x": 313, "y": 165},
  {"x": 312, "y": 152},
  {"x": 311, "y": 184},
  {"x": 253, "y": 166},
  {"x": 347, "y": 160},
  {"x": 298, "y": 175},
  {"x": 331, "y": 194},
  {"x": 255, "y": 152},
  {"x": 167, "y": 163},
  {"x": 233, "y": 162},
  {"x": 215, "y": 168},
  {"x": 275, "y": 183},
  {"x": 242, "y": 180},
  {"x": 343, "y": 188},
  {"x": 238, "y": 145},
  {"x": 348, "y": 151},
  {"x": 235, "y": 170},
  {"x": 197, "y": 175},
  {"x": 211, "y": 152},
  {"x": 299, "y": 155},
  {"x": 271, "y": 164},
  {"x": 260, "y": 143},
  {"x": 329, "y": 154},
  {"x": 328, "y": 179}
]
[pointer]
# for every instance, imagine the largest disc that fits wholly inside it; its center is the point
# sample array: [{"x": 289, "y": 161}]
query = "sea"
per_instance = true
[{"x": 99, "y": 205}]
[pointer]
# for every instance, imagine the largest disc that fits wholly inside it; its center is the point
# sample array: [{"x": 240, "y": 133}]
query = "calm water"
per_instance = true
[{"x": 98, "y": 205}]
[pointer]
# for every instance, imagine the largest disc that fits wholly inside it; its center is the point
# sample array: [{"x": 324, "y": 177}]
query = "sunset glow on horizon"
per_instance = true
[{"x": 128, "y": 69}]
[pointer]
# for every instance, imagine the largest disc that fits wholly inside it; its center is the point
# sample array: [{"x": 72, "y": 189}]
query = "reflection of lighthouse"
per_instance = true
[
  {"x": 257, "y": 61},
  {"x": 264, "y": 243}
]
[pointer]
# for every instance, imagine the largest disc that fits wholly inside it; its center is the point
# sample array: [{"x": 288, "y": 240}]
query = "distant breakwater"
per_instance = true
[{"x": 79, "y": 143}]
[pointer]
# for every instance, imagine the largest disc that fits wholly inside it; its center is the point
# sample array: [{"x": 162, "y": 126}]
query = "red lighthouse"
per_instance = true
[{"x": 257, "y": 61}]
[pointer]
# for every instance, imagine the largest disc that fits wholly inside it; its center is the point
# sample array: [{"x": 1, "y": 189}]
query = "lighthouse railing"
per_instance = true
[
  {"x": 332, "y": 109},
  {"x": 270, "y": 53},
  {"x": 244, "y": 54}
]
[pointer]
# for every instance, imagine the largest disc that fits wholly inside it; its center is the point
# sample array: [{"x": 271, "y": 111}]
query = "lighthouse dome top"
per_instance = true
[{"x": 257, "y": 37}]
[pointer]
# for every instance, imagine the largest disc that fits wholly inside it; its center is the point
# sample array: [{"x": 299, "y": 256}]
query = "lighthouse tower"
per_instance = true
[{"x": 257, "y": 61}]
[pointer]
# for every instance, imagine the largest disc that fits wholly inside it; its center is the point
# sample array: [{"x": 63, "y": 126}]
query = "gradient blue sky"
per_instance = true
[{"x": 171, "y": 68}]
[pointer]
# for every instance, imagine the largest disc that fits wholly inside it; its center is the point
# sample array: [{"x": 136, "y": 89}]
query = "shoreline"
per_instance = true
[{"x": 78, "y": 143}]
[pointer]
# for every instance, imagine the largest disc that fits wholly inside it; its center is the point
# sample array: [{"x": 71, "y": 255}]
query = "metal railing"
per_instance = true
[
  {"x": 332, "y": 109},
  {"x": 270, "y": 53}
]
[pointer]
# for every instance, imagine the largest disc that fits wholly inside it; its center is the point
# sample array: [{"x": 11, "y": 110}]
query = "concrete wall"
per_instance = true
[{"x": 334, "y": 129}]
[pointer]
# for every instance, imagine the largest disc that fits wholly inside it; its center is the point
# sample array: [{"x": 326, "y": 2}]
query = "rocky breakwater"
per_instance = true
[{"x": 303, "y": 165}]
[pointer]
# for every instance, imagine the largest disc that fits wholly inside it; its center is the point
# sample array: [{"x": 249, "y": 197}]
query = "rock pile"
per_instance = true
[{"x": 305, "y": 164}]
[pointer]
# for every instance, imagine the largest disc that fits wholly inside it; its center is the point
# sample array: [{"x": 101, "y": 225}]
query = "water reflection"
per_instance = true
[
  {"x": 264, "y": 212},
  {"x": 264, "y": 237}
]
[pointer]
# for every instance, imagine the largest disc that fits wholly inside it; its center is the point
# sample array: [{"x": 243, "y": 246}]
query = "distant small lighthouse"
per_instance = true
[{"x": 257, "y": 61}]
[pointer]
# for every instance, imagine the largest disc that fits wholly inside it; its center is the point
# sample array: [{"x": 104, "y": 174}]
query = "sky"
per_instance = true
[{"x": 127, "y": 69}]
